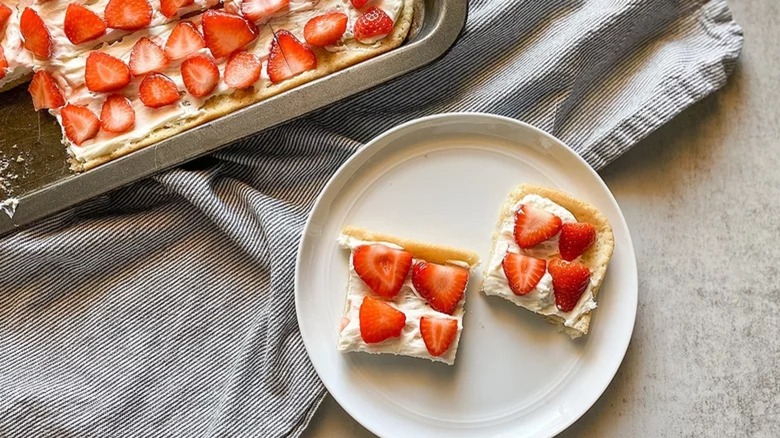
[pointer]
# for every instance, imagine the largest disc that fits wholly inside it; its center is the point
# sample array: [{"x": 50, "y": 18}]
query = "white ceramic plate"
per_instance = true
[{"x": 442, "y": 179}]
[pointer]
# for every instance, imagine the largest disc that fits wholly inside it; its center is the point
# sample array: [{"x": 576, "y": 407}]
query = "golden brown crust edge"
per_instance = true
[
  {"x": 596, "y": 258},
  {"x": 422, "y": 250},
  {"x": 219, "y": 106}
]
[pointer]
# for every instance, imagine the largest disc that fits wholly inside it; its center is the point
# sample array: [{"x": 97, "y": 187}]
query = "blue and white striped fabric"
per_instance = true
[{"x": 166, "y": 308}]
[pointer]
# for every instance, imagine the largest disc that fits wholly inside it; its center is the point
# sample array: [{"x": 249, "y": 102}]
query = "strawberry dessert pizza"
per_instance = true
[
  {"x": 122, "y": 74},
  {"x": 403, "y": 297},
  {"x": 550, "y": 254}
]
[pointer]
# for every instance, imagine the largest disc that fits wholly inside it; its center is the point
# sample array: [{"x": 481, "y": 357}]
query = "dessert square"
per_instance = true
[
  {"x": 550, "y": 254},
  {"x": 403, "y": 297}
]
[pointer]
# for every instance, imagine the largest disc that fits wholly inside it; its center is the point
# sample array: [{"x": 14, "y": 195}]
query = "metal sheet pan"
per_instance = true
[{"x": 33, "y": 167}]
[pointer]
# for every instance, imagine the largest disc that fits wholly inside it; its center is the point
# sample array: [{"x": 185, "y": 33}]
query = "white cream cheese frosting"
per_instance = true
[
  {"x": 408, "y": 300},
  {"x": 542, "y": 298}
]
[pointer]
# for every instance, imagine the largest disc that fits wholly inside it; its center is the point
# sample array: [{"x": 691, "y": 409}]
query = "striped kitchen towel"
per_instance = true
[{"x": 166, "y": 308}]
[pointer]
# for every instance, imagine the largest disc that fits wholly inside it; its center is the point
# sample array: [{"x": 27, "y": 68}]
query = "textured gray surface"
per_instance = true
[{"x": 702, "y": 199}]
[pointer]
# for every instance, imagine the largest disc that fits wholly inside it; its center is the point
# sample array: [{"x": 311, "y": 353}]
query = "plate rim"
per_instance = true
[{"x": 371, "y": 145}]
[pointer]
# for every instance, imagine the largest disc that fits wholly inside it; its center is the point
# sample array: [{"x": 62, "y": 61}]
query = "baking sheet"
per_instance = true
[{"x": 33, "y": 166}]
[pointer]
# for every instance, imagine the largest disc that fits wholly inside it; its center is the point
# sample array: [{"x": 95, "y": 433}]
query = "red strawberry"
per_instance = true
[
  {"x": 534, "y": 225},
  {"x": 117, "y": 115},
  {"x": 3, "y": 63},
  {"x": 35, "y": 34},
  {"x": 105, "y": 73},
  {"x": 359, "y": 3},
  {"x": 257, "y": 10},
  {"x": 200, "y": 75},
  {"x": 170, "y": 8},
  {"x": 79, "y": 122},
  {"x": 325, "y": 30},
  {"x": 438, "y": 334},
  {"x": 158, "y": 90},
  {"x": 442, "y": 286},
  {"x": 44, "y": 91},
  {"x": 81, "y": 24},
  {"x": 146, "y": 57},
  {"x": 226, "y": 33},
  {"x": 5, "y": 14},
  {"x": 242, "y": 70},
  {"x": 183, "y": 41},
  {"x": 384, "y": 269},
  {"x": 523, "y": 272},
  {"x": 372, "y": 25},
  {"x": 570, "y": 279},
  {"x": 379, "y": 320},
  {"x": 128, "y": 14},
  {"x": 575, "y": 239},
  {"x": 288, "y": 57}
]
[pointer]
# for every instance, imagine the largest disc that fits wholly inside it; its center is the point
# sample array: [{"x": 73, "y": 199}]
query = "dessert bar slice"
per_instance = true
[
  {"x": 403, "y": 297},
  {"x": 550, "y": 255}
]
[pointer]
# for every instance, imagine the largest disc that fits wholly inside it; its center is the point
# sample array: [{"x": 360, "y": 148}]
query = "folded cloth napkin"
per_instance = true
[{"x": 166, "y": 308}]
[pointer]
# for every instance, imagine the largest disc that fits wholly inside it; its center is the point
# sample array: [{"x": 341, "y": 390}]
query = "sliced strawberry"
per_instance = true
[
  {"x": 379, "y": 320},
  {"x": 523, "y": 272},
  {"x": 226, "y": 33},
  {"x": 146, "y": 57},
  {"x": 442, "y": 286},
  {"x": 242, "y": 70},
  {"x": 183, "y": 41},
  {"x": 128, "y": 14},
  {"x": 534, "y": 225},
  {"x": 117, "y": 115},
  {"x": 374, "y": 24},
  {"x": 200, "y": 75},
  {"x": 5, "y": 14},
  {"x": 257, "y": 10},
  {"x": 44, "y": 91},
  {"x": 384, "y": 269},
  {"x": 158, "y": 90},
  {"x": 3, "y": 63},
  {"x": 570, "y": 279},
  {"x": 80, "y": 123},
  {"x": 325, "y": 30},
  {"x": 35, "y": 34},
  {"x": 575, "y": 239},
  {"x": 105, "y": 73},
  {"x": 81, "y": 24},
  {"x": 288, "y": 57},
  {"x": 170, "y": 8},
  {"x": 438, "y": 334},
  {"x": 359, "y": 3}
]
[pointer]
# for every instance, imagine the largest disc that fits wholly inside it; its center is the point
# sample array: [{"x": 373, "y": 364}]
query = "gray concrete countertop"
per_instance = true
[{"x": 702, "y": 200}]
